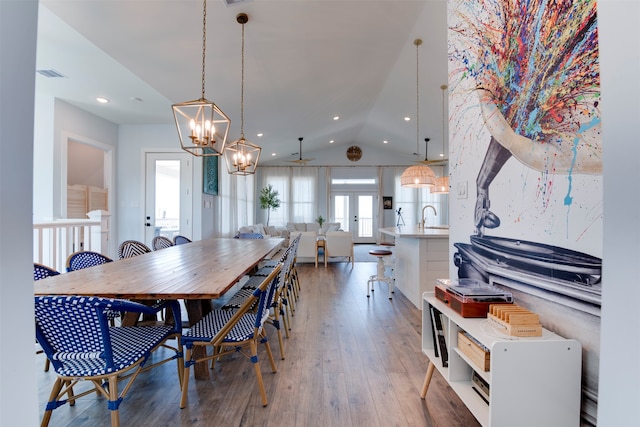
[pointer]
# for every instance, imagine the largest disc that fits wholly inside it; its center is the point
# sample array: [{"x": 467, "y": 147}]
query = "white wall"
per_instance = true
[
  {"x": 42, "y": 155},
  {"x": 619, "y": 398},
  {"x": 18, "y": 395},
  {"x": 85, "y": 165}
]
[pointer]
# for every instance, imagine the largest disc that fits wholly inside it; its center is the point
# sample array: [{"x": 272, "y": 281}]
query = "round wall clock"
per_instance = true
[{"x": 354, "y": 153}]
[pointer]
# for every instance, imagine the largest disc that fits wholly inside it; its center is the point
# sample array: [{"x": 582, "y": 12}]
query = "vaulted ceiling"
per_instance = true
[{"x": 306, "y": 61}]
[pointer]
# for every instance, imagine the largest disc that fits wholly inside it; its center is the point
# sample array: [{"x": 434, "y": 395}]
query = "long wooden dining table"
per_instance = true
[{"x": 196, "y": 272}]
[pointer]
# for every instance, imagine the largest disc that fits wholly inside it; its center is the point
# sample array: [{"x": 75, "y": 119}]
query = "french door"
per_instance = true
[
  {"x": 355, "y": 211},
  {"x": 168, "y": 195}
]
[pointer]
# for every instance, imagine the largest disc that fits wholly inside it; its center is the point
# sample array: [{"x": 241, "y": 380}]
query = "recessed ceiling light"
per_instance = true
[
  {"x": 336, "y": 117},
  {"x": 407, "y": 119},
  {"x": 102, "y": 100},
  {"x": 259, "y": 134},
  {"x": 331, "y": 142},
  {"x": 273, "y": 154},
  {"x": 385, "y": 142}
]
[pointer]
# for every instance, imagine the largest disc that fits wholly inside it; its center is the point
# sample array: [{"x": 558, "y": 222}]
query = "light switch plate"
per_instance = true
[{"x": 462, "y": 190}]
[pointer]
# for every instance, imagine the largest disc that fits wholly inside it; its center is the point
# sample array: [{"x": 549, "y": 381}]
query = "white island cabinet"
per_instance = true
[
  {"x": 531, "y": 381},
  {"x": 422, "y": 256}
]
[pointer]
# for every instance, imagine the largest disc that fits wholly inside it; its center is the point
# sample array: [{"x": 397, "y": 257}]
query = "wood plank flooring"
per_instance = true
[{"x": 350, "y": 361}]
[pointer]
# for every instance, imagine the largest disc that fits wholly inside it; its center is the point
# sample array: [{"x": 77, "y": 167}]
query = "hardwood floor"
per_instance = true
[{"x": 350, "y": 361}]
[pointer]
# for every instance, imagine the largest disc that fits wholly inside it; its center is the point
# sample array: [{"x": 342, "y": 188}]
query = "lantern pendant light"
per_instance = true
[
  {"x": 241, "y": 155},
  {"x": 417, "y": 176},
  {"x": 202, "y": 126}
]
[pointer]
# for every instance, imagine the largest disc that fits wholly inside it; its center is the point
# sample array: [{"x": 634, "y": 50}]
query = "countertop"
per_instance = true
[{"x": 413, "y": 231}]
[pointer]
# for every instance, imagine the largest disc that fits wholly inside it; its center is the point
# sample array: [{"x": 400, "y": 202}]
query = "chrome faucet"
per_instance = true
[{"x": 424, "y": 218}]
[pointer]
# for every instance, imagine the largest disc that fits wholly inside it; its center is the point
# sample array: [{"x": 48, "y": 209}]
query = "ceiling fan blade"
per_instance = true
[
  {"x": 301, "y": 161},
  {"x": 434, "y": 162}
]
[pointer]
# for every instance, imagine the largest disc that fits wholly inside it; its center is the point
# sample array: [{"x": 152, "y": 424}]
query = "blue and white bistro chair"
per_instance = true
[
  {"x": 229, "y": 331},
  {"x": 41, "y": 271},
  {"x": 161, "y": 242},
  {"x": 248, "y": 236},
  {"x": 131, "y": 248},
  {"x": 85, "y": 259},
  {"x": 74, "y": 333},
  {"x": 181, "y": 240}
]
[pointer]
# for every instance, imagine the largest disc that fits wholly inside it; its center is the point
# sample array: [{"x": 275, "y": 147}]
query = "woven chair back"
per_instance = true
[
  {"x": 131, "y": 248},
  {"x": 85, "y": 259},
  {"x": 42, "y": 271},
  {"x": 181, "y": 240},
  {"x": 161, "y": 242}
]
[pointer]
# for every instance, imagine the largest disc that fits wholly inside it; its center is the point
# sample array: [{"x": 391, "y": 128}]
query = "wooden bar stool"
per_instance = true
[{"x": 381, "y": 275}]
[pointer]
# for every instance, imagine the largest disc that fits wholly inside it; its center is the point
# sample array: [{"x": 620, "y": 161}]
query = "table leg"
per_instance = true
[
  {"x": 130, "y": 319},
  {"x": 196, "y": 310}
]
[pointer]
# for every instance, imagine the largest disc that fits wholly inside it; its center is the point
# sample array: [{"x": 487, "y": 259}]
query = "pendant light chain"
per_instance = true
[
  {"x": 204, "y": 41},
  {"x": 242, "y": 89}
]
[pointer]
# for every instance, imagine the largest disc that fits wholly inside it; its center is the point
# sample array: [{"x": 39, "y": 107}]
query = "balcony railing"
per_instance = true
[{"x": 54, "y": 241}]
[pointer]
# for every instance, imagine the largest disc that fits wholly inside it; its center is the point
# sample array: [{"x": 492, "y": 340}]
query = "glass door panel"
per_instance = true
[
  {"x": 168, "y": 196},
  {"x": 365, "y": 218},
  {"x": 355, "y": 212},
  {"x": 341, "y": 210}
]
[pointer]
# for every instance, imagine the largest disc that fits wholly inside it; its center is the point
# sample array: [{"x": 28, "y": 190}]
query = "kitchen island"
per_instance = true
[{"x": 422, "y": 256}]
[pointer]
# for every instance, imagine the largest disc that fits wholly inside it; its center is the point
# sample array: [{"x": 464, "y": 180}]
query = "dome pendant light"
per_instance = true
[
  {"x": 442, "y": 182},
  {"x": 202, "y": 126},
  {"x": 241, "y": 155},
  {"x": 417, "y": 176}
]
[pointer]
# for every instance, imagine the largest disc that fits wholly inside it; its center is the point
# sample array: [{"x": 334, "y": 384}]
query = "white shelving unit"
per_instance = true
[{"x": 533, "y": 381}]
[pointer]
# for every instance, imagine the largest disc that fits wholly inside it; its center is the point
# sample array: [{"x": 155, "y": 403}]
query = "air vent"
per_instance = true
[
  {"x": 235, "y": 2},
  {"x": 50, "y": 73}
]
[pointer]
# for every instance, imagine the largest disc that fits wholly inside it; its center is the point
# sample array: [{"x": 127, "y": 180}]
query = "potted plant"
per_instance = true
[
  {"x": 320, "y": 220},
  {"x": 269, "y": 200}
]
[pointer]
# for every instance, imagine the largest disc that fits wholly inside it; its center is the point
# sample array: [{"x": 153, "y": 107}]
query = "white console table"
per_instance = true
[{"x": 533, "y": 381}]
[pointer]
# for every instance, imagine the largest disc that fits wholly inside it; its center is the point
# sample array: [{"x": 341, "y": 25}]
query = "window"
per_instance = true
[
  {"x": 298, "y": 192},
  {"x": 352, "y": 181}
]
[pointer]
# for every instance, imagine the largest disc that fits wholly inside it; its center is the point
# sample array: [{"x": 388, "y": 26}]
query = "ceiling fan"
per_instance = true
[
  {"x": 300, "y": 160},
  {"x": 427, "y": 161}
]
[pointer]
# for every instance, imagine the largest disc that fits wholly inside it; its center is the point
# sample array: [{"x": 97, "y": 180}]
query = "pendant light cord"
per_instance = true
[
  {"x": 444, "y": 88},
  {"x": 417, "y": 42}
]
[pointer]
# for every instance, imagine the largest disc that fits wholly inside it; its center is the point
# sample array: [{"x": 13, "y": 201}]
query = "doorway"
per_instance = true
[
  {"x": 355, "y": 212},
  {"x": 168, "y": 195}
]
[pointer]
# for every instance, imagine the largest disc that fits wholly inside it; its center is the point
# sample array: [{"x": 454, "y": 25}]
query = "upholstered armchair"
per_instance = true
[
  {"x": 338, "y": 244},
  {"x": 307, "y": 246}
]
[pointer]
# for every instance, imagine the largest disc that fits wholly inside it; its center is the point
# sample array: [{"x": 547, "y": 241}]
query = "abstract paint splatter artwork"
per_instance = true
[{"x": 534, "y": 66}]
